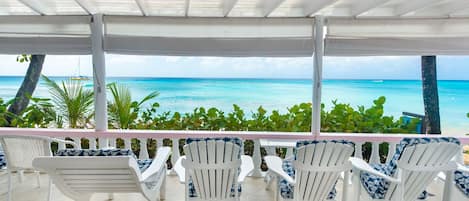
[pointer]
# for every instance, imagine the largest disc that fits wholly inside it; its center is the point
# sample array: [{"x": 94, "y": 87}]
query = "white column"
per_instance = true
[
  {"x": 257, "y": 159},
  {"x": 317, "y": 73},
  {"x": 99, "y": 76},
  {"x": 174, "y": 155}
]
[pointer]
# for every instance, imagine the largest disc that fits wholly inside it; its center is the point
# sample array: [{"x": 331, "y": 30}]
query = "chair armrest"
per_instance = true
[
  {"x": 274, "y": 163},
  {"x": 74, "y": 144},
  {"x": 179, "y": 169},
  {"x": 463, "y": 168},
  {"x": 247, "y": 166},
  {"x": 361, "y": 165},
  {"x": 162, "y": 155}
]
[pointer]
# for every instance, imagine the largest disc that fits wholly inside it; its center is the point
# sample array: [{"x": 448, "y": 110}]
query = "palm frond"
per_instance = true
[{"x": 73, "y": 102}]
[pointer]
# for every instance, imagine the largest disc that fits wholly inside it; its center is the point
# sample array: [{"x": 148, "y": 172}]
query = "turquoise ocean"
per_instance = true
[{"x": 184, "y": 94}]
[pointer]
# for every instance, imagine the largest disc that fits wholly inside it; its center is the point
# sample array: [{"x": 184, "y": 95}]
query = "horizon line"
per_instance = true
[{"x": 253, "y": 78}]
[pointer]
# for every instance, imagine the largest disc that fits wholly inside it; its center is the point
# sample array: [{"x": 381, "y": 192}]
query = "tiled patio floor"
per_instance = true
[{"x": 253, "y": 190}]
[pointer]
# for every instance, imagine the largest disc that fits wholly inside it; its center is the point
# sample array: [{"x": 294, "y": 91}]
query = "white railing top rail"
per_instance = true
[{"x": 87, "y": 133}]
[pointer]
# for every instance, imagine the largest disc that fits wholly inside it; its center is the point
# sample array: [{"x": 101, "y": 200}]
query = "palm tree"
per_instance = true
[
  {"x": 430, "y": 95},
  {"x": 73, "y": 102},
  {"x": 122, "y": 110},
  {"x": 28, "y": 85}
]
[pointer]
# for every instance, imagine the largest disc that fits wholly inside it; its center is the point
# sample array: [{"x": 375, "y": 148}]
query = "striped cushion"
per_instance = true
[
  {"x": 236, "y": 141},
  {"x": 307, "y": 142},
  {"x": 95, "y": 152},
  {"x": 461, "y": 179},
  {"x": 142, "y": 164},
  {"x": 3, "y": 161},
  {"x": 377, "y": 186},
  {"x": 193, "y": 192}
]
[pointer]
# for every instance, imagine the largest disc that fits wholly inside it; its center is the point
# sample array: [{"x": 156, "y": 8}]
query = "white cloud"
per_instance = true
[{"x": 391, "y": 67}]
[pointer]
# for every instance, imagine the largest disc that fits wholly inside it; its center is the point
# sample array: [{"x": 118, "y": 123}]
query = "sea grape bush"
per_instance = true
[{"x": 340, "y": 118}]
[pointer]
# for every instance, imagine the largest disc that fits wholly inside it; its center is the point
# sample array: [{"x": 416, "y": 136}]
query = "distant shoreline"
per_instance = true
[{"x": 233, "y": 78}]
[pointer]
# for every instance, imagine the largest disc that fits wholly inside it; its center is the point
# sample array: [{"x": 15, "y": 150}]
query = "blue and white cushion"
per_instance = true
[
  {"x": 3, "y": 161},
  {"x": 286, "y": 189},
  {"x": 191, "y": 188},
  {"x": 307, "y": 142},
  {"x": 193, "y": 192},
  {"x": 142, "y": 164},
  {"x": 377, "y": 186},
  {"x": 233, "y": 140},
  {"x": 461, "y": 179}
]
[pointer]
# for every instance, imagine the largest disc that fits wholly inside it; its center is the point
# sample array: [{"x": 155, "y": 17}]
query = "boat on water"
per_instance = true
[{"x": 81, "y": 77}]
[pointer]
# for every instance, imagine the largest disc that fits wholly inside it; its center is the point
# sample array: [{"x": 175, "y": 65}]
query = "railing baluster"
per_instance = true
[
  {"x": 358, "y": 149},
  {"x": 374, "y": 158},
  {"x": 271, "y": 151},
  {"x": 257, "y": 159},
  {"x": 61, "y": 144},
  {"x": 289, "y": 152},
  {"x": 391, "y": 151},
  {"x": 159, "y": 143},
  {"x": 143, "y": 148},
  {"x": 128, "y": 143},
  {"x": 77, "y": 141},
  {"x": 103, "y": 143},
  {"x": 174, "y": 155},
  {"x": 92, "y": 143},
  {"x": 112, "y": 142}
]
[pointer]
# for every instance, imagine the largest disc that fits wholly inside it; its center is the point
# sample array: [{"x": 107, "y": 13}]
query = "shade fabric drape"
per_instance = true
[
  {"x": 234, "y": 37},
  {"x": 379, "y": 37},
  {"x": 209, "y": 36},
  {"x": 45, "y": 35}
]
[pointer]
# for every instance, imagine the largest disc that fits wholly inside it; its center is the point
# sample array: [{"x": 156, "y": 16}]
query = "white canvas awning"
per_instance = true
[
  {"x": 236, "y": 27},
  {"x": 380, "y": 37},
  {"x": 45, "y": 34},
  {"x": 209, "y": 36}
]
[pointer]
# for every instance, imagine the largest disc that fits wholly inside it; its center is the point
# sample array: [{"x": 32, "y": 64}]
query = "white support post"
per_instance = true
[
  {"x": 257, "y": 159},
  {"x": 174, "y": 155},
  {"x": 99, "y": 76},
  {"x": 317, "y": 73}
]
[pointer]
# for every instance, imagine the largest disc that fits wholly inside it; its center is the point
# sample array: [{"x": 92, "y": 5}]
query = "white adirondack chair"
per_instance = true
[
  {"x": 81, "y": 173},
  {"x": 19, "y": 154},
  {"x": 312, "y": 174},
  {"x": 415, "y": 164},
  {"x": 213, "y": 169},
  {"x": 457, "y": 184}
]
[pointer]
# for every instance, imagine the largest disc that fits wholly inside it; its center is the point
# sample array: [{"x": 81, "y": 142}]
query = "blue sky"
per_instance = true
[{"x": 392, "y": 67}]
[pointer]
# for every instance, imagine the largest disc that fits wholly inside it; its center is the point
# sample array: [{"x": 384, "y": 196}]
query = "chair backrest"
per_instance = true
[
  {"x": 212, "y": 165},
  {"x": 21, "y": 150},
  {"x": 318, "y": 165},
  {"x": 80, "y": 173},
  {"x": 420, "y": 160}
]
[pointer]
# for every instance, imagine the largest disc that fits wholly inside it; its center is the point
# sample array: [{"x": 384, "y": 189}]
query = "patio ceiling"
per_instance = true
[
  {"x": 241, "y": 8},
  {"x": 237, "y": 27}
]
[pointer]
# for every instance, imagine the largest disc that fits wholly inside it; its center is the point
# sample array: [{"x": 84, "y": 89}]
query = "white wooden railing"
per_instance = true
[{"x": 110, "y": 137}]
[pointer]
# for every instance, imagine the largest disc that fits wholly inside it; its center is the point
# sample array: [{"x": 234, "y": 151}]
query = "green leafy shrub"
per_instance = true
[
  {"x": 74, "y": 104},
  {"x": 123, "y": 112},
  {"x": 71, "y": 101}
]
